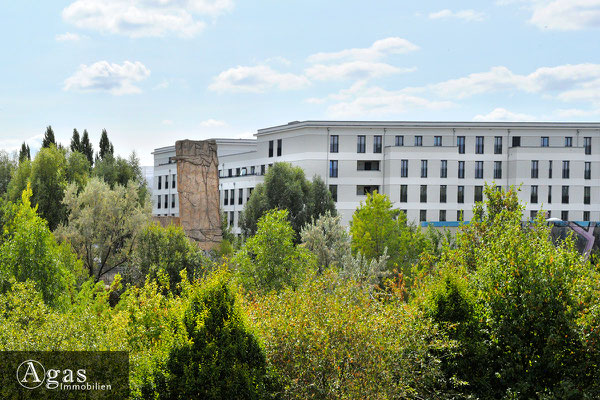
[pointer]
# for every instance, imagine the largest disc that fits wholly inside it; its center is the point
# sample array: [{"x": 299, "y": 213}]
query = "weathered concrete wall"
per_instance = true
[{"x": 198, "y": 190}]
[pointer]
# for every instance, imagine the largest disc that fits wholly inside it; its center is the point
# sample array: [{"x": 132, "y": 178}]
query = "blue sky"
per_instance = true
[{"x": 154, "y": 71}]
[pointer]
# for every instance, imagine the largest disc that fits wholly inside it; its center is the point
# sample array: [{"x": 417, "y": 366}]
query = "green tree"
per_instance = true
[
  {"x": 48, "y": 183},
  {"x": 286, "y": 187},
  {"x": 24, "y": 153},
  {"x": 8, "y": 165},
  {"x": 48, "y": 138},
  {"x": 106, "y": 147},
  {"x": 222, "y": 358},
  {"x": 76, "y": 142},
  {"x": 270, "y": 259},
  {"x": 103, "y": 225},
  {"x": 376, "y": 226},
  {"x": 86, "y": 147},
  {"x": 77, "y": 170},
  {"x": 28, "y": 251},
  {"x": 119, "y": 171},
  {"x": 328, "y": 240},
  {"x": 18, "y": 183}
]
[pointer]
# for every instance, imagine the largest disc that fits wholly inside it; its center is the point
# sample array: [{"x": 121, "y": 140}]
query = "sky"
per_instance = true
[{"x": 151, "y": 72}]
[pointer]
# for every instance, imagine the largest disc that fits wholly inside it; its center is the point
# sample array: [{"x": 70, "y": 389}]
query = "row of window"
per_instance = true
[
  {"x": 164, "y": 200},
  {"x": 334, "y": 141},
  {"x": 243, "y": 171},
  {"x": 279, "y": 147},
  {"x": 478, "y": 194},
  {"x": 166, "y": 181},
  {"x": 564, "y": 215},
  {"x": 229, "y": 196}
]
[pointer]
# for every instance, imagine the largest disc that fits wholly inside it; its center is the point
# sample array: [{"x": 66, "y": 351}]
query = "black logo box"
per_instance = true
[{"x": 106, "y": 374}]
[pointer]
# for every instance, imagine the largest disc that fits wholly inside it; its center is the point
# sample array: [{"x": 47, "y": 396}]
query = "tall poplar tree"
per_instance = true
[
  {"x": 76, "y": 142},
  {"x": 48, "y": 138},
  {"x": 86, "y": 147},
  {"x": 24, "y": 153},
  {"x": 106, "y": 147}
]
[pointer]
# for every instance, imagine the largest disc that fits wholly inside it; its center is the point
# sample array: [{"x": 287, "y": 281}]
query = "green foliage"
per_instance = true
[
  {"x": 119, "y": 171},
  {"x": 329, "y": 339},
  {"x": 48, "y": 183},
  {"x": 28, "y": 251},
  {"x": 106, "y": 147},
  {"x": 77, "y": 170},
  {"x": 103, "y": 225},
  {"x": 166, "y": 251},
  {"x": 19, "y": 180},
  {"x": 376, "y": 226},
  {"x": 328, "y": 240},
  {"x": 518, "y": 306},
  {"x": 8, "y": 165},
  {"x": 285, "y": 187},
  {"x": 48, "y": 138},
  {"x": 222, "y": 359},
  {"x": 75, "y": 142},
  {"x": 270, "y": 260},
  {"x": 86, "y": 147},
  {"x": 24, "y": 153}
]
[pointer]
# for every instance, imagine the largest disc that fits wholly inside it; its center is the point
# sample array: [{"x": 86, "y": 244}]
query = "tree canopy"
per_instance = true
[{"x": 48, "y": 138}]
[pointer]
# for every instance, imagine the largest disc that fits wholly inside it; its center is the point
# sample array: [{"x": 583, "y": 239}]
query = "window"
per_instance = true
[
  {"x": 565, "y": 195},
  {"x": 532, "y": 214},
  {"x": 361, "y": 141},
  {"x": 534, "y": 194},
  {"x": 249, "y": 193},
  {"x": 262, "y": 169},
  {"x": 244, "y": 171},
  {"x": 443, "y": 190},
  {"x": 459, "y": 215},
  {"x": 516, "y": 141},
  {"x": 279, "y": 146},
  {"x": 423, "y": 193},
  {"x": 166, "y": 181},
  {"x": 587, "y": 172},
  {"x": 377, "y": 144},
  {"x": 550, "y": 169},
  {"x": 418, "y": 140},
  {"x": 442, "y": 215},
  {"x": 564, "y": 215},
  {"x": 334, "y": 142},
  {"x": 423, "y": 168},
  {"x": 587, "y": 143},
  {"x": 437, "y": 141},
  {"x": 362, "y": 190},
  {"x": 478, "y": 169},
  {"x": 174, "y": 180},
  {"x": 423, "y": 216},
  {"x": 460, "y": 142},
  {"x": 232, "y": 196},
  {"x": 230, "y": 172},
  {"x": 404, "y": 168},
  {"x": 586, "y": 215},
  {"x": 237, "y": 172},
  {"x": 444, "y": 169},
  {"x": 270, "y": 148},
  {"x": 403, "y": 193},
  {"x": 252, "y": 170},
  {"x": 241, "y": 196},
  {"x": 460, "y": 194},
  {"x": 497, "y": 169},
  {"x": 479, "y": 145},
  {"x": 367, "y": 165},
  {"x": 158, "y": 204},
  {"x": 333, "y": 191},
  {"x": 568, "y": 141},
  {"x": 226, "y": 199},
  {"x": 545, "y": 141},
  {"x": 498, "y": 145},
  {"x": 478, "y": 193},
  {"x": 534, "y": 169},
  {"x": 231, "y": 218},
  {"x": 549, "y": 194},
  {"x": 166, "y": 201},
  {"x": 565, "y": 170},
  {"x": 461, "y": 169},
  {"x": 159, "y": 182},
  {"x": 172, "y": 201},
  {"x": 586, "y": 194},
  {"x": 399, "y": 140},
  {"x": 333, "y": 168}
]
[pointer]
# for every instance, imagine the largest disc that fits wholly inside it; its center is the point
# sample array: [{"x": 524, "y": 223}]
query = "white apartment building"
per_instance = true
[{"x": 434, "y": 171}]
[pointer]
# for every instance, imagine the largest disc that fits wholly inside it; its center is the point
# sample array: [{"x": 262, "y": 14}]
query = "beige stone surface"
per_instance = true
[{"x": 198, "y": 190}]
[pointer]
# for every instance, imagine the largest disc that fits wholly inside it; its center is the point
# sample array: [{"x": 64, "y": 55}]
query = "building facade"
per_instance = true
[{"x": 434, "y": 171}]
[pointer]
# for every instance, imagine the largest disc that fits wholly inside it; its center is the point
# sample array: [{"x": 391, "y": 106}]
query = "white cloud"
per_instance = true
[
  {"x": 68, "y": 37},
  {"x": 357, "y": 70},
  {"x": 562, "y": 15},
  {"x": 467, "y": 15},
  {"x": 565, "y": 82},
  {"x": 212, "y": 123},
  {"x": 256, "y": 79},
  {"x": 163, "y": 85},
  {"x": 103, "y": 76},
  {"x": 502, "y": 114},
  {"x": 278, "y": 60},
  {"x": 139, "y": 18},
  {"x": 378, "y": 50},
  {"x": 362, "y": 101},
  {"x": 14, "y": 144},
  {"x": 167, "y": 122}
]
